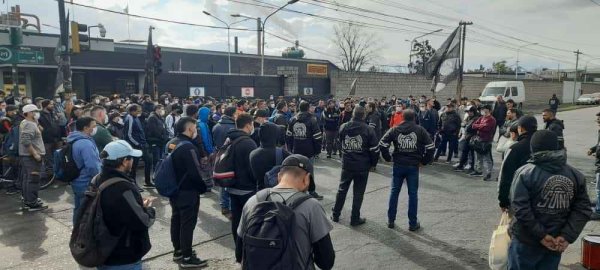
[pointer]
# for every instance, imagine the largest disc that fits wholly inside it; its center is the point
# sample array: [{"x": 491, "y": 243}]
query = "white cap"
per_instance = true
[
  {"x": 120, "y": 149},
  {"x": 30, "y": 108}
]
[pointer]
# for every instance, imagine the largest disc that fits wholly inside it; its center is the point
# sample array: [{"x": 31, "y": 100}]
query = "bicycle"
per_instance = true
[{"x": 9, "y": 176}]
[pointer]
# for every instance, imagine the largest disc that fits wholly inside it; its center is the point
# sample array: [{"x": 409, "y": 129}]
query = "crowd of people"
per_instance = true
[{"x": 107, "y": 137}]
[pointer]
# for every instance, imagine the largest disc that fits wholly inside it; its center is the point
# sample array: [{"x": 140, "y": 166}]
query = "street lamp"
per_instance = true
[
  {"x": 262, "y": 58},
  {"x": 411, "y": 47},
  {"x": 102, "y": 30},
  {"x": 228, "y": 36},
  {"x": 517, "y": 67}
]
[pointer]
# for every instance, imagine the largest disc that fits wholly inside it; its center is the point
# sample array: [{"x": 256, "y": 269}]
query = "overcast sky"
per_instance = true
[{"x": 558, "y": 26}]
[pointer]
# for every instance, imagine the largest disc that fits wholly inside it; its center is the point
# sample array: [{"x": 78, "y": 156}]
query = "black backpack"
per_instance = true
[
  {"x": 224, "y": 172},
  {"x": 68, "y": 170},
  {"x": 91, "y": 242},
  {"x": 268, "y": 234}
]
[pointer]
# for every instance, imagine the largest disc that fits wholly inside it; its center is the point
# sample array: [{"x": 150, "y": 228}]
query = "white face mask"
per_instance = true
[
  {"x": 120, "y": 121},
  {"x": 161, "y": 112},
  {"x": 97, "y": 101},
  {"x": 94, "y": 131},
  {"x": 195, "y": 134},
  {"x": 27, "y": 101},
  {"x": 106, "y": 119},
  {"x": 57, "y": 100},
  {"x": 36, "y": 116},
  {"x": 118, "y": 101}
]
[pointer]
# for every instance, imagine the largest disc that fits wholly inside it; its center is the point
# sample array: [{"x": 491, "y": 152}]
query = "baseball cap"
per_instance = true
[
  {"x": 299, "y": 161},
  {"x": 120, "y": 149},
  {"x": 30, "y": 108}
]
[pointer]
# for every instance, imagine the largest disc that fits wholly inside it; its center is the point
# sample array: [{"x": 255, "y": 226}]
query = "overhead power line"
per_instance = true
[{"x": 593, "y": 1}]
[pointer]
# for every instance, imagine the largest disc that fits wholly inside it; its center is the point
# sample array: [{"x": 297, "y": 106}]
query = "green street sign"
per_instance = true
[{"x": 21, "y": 55}]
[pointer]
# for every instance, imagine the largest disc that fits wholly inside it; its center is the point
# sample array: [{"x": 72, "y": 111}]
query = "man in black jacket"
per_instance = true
[
  {"x": 499, "y": 112},
  {"x": 550, "y": 205},
  {"x": 263, "y": 159},
  {"x": 260, "y": 117},
  {"x": 245, "y": 184},
  {"x": 219, "y": 132},
  {"x": 374, "y": 119},
  {"x": 51, "y": 131},
  {"x": 360, "y": 153},
  {"x": 331, "y": 118},
  {"x": 304, "y": 137},
  {"x": 413, "y": 148},
  {"x": 156, "y": 136},
  {"x": 516, "y": 156},
  {"x": 449, "y": 127},
  {"x": 126, "y": 214},
  {"x": 595, "y": 150},
  {"x": 555, "y": 125},
  {"x": 186, "y": 203}
]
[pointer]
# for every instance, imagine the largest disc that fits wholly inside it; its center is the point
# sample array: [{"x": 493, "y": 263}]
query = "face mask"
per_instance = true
[
  {"x": 57, "y": 100},
  {"x": 73, "y": 98},
  {"x": 94, "y": 131},
  {"x": 120, "y": 121},
  {"x": 17, "y": 103},
  {"x": 176, "y": 101},
  {"x": 195, "y": 134},
  {"x": 166, "y": 101},
  {"x": 97, "y": 101},
  {"x": 106, "y": 119},
  {"x": 161, "y": 112},
  {"x": 27, "y": 101},
  {"x": 422, "y": 109},
  {"x": 36, "y": 116}
]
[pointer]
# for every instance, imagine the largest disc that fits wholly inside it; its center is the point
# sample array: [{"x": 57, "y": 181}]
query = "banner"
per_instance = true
[
  {"x": 444, "y": 66},
  {"x": 247, "y": 91}
]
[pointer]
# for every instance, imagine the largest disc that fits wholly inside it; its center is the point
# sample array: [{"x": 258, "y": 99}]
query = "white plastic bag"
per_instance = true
[{"x": 498, "y": 254}]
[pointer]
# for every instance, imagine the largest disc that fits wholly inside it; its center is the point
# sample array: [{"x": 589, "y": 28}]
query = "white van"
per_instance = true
[{"x": 514, "y": 90}]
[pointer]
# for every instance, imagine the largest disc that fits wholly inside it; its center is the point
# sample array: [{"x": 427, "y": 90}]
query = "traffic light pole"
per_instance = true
[{"x": 64, "y": 65}]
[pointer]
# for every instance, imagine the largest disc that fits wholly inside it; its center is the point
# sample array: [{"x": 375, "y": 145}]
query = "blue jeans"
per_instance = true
[
  {"x": 224, "y": 199},
  {"x": 133, "y": 266},
  {"x": 411, "y": 174},
  {"x": 79, "y": 189},
  {"x": 525, "y": 257},
  {"x": 598, "y": 193}
]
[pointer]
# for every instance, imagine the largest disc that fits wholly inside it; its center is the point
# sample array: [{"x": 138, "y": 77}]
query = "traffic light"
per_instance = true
[
  {"x": 157, "y": 61},
  {"x": 79, "y": 42}
]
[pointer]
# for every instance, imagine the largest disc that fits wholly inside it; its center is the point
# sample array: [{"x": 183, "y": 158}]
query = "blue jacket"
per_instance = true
[
  {"x": 204, "y": 131},
  {"x": 85, "y": 155},
  {"x": 220, "y": 130},
  {"x": 134, "y": 132}
]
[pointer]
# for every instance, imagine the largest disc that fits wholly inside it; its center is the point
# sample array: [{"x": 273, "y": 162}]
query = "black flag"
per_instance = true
[{"x": 444, "y": 66}]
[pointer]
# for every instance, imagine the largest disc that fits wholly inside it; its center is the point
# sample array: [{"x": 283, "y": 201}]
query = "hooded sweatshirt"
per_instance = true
[
  {"x": 303, "y": 135},
  {"x": 85, "y": 155},
  {"x": 263, "y": 159},
  {"x": 412, "y": 145},
  {"x": 360, "y": 146},
  {"x": 204, "y": 131},
  {"x": 557, "y": 126},
  {"x": 245, "y": 183}
]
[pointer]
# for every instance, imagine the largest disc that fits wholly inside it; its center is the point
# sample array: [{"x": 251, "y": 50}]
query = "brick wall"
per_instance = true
[
  {"x": 378, "y": 84},
  {"x": 589, "y": 88}
]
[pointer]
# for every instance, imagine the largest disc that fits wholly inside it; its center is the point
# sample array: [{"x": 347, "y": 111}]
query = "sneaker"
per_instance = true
[
  {"x": 442, "y": 154},
  {"x": 458, "y": 169},
  {"x": 149, "y": 185},
  {"x": 476, "y": 173},
  {"x": 357, "y": 222},
  {"x": 193, "y": 262},
  {"x": 178, "y": 256},
  {"x": 335, "y": 218},
  {"x": 226, "y": 212},
  {"x": 595, "y": 216},
  {"x": 468, "y": 167},
  {"x": 391, "y": 225},
  {"x": 415, "y": 228},
  {"x": 334, "y": 153},
  {"x": 316, "y": 195},
  {"x": 38, "y": 206},
  {"x": 329, "y": 156},
  {"x": 488, "y": 178}
]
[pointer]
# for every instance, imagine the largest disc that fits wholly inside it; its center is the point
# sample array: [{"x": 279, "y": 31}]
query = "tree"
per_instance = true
[
  {"x": 501, "y": 67},
  {"x": 373, "y": 68},
  {"x": 356, "y": 47},
  {"x": 423, "y": 51}
]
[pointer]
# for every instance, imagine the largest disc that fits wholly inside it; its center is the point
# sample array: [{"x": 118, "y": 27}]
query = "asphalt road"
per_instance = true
[{"x": 458, "y": 214}]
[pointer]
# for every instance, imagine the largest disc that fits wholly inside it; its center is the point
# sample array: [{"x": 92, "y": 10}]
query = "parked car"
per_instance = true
[
  {"x": 588, "y": 99},
  {"x": 514, "y": 90}
]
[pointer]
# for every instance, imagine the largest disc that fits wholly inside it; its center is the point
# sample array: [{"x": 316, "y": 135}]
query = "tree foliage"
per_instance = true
[
  {"x": 422, "y": 52},
  {"x": 501, "y": 67},
  {"x": 356, "y": 48}
]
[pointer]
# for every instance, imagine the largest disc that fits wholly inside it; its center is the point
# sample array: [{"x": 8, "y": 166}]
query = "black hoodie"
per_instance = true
[
  {"x": 548, "y": 197},
  {"x": 516, "y": 156},
  {"x": 360, "y": 146},
  {"x": 304, "y": 136},
  {"x": 557, "y": 126},
  {"x": 263, "y": 158},
  {"x": 125, "y": 215},
  {"x": 244, "y": 179},
  {"x": 412, "y": 145}
]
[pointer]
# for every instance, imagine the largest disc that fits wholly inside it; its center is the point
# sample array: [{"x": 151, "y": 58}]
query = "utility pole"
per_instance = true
[
  {"x": 64, "y": 65},
  {"x": 459, "y": 84},
  {"x": 258, "y": 36},
  {"x": 577, "y": 53}
]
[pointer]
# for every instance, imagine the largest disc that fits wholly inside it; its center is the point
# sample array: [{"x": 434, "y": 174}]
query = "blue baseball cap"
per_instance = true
[{"x": 120, "y": 149}]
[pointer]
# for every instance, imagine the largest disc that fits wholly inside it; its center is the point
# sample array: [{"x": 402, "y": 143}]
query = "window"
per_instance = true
[
  {"x": 507, "y": 93},
  {"x": 514, "y": 91}
]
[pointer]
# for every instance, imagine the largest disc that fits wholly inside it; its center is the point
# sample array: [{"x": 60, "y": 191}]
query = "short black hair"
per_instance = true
[
  {"x": 548, "y": 111},
  {"x": 230, "y": 111},
  {"x": 243, "y": 120},
  {"x": 191, "y": 110},
  {"x": 241, "y": 103},
  {"x": 182, "y": 124},
  {"x": 528, "y": 123},
  {"x": 304, "y": 106},
  {"x": 159, "y": 106},
  {"x": 45, "y": 103},
  {"x": 83, "y": 122},
  {"x": 95, "y": 110},
  {"x": 510, "y": 101},
  {"x": 409, "y": 115},
  {"x": 133, "y": 108},
  {"x": 359, "y": 113},
  {"x": 281, "y": 105}
]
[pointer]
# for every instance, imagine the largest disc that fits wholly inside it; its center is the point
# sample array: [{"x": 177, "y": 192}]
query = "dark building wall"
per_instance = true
[{"x": 220, "y": 85}]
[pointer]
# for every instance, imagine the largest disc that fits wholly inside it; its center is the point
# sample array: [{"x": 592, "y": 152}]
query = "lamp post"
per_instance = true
[
  {"x": 411, "y": 47},
  {"x": 102, "y": 32},
  {"x": 517, "y": 66},
  {"x": 228, "y": 36},
  {"x": 262, "y": 58}
]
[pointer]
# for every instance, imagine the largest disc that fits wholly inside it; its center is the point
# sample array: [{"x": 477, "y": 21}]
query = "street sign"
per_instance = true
[
  {"x": 247, "y": 91},
  {"x": 308, "y": 91},
  {"x": 196, "y": 91},
  {"x": 21, "y": 55}
]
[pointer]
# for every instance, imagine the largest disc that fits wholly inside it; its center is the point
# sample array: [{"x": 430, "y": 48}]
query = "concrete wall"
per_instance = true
[
  {"x": 589, "y": 88},
  {"x": 378, "y": 84}
]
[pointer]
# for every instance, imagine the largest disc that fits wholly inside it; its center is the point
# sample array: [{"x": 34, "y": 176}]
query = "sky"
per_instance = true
[{"x": 548, "y": 30}]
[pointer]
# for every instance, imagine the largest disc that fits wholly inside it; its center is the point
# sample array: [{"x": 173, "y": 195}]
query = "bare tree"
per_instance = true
[{"x": 356, "y": 47}]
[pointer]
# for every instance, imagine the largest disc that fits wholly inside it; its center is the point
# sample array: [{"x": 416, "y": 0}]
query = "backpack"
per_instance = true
[
  {"x": 271, "y": 176},
  {"x": 224, "y": 172},
  {"x": 165, "y": 178},
  {"x": 268, "y": 239},
  {"x": 67, "y": 169},
  {"x": 10, "y": 146},
  {"x": 91, "y": 242}
]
